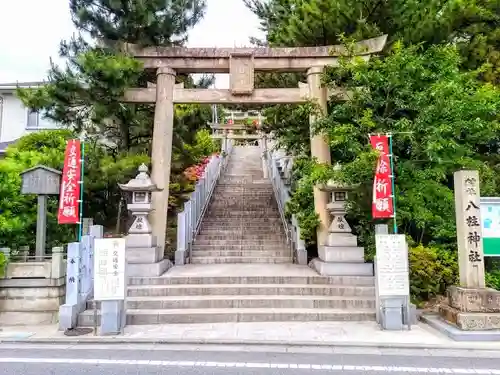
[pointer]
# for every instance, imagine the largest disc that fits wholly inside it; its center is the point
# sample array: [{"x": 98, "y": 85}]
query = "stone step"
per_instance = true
[
  {"x": 238, "y": 259},
  {"x": 243, "y": 213},
  {"x": 275, "y": 281},
  {"x": 202, "y": 252},
  {"x": 250, "y": 188},
  {"x": 185, "y": 316},
  {"x": 236, "y": 229},
  {"x": 252, "y": 243},
  {"x": 244, "y": 237},
  {"x": 249, "y": 206},
  {"x": 250, "y": 289},
  {"x": 231, "y": 195},
  {"x": 221, "y": 230},
  {"x": 247, "y": 221},
  {"x": 258, "y": 249},
  {"x": 241, "y": 227},
  {"x": 247, "y": 302}
]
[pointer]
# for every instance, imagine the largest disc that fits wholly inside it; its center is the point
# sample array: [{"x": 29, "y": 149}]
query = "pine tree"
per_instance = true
[
  {"x": 146, "y": 22},
  {"x": 86, "y": 94},
  {"x": 473, "y": 25}
]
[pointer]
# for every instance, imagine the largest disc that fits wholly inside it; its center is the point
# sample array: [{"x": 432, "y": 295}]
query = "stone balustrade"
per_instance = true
[
  {"x": 79, "y": 278},
  {"x": 279, "y": 171},
  {"x": 32, "y": 290}
]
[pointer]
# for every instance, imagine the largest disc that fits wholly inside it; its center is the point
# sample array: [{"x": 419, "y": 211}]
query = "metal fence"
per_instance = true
[{"x": 189, "y": 220}]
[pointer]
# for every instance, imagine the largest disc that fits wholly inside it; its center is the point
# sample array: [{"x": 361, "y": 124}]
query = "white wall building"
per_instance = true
[{"x": 15, "y": 119}]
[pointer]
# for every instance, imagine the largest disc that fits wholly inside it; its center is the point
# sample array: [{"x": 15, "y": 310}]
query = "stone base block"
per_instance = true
[
  {"x": 68, "y": 315},
  {"x": 148, "y": 269},
  {"x": 341, "y": 269},
  {"x": 341, "y": 254},
  {"x": 140, "y": 240},
  {"x": 301, "y": 257},
  {"x": 474, "y": 300},
  {"x": 181, "y": 257},
  {"x": 24, "y": 318},
  {"x": 470, "y": 321},
  {"x": 144, "y": 255},
  {"x": 436, "y": 322},
  {"x": 342, "y": 239}
]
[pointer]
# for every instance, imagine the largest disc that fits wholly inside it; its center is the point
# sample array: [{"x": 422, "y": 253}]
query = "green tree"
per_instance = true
[
  {"x": 442, "y": 120},
  {"x": 472, "y": 25},
  {"x": 85, "y": 95},
  {"x": 18, "y": 212},
  {"x": 149, "y": 22}
]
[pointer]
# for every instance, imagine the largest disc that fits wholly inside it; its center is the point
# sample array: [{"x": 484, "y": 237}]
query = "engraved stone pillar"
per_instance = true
[
  {"x": 471, "y": 306},
  {"x": 161, "y": 154},
  {"x": 469, "y": 235},
  {"x": 319, "y": 150}
]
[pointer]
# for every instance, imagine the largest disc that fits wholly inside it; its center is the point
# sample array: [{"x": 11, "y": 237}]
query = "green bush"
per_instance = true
[
  {"x": 493, "y": 279},
  {"x": 3, "y": 263},
  {"x": 432, "y": 270}
]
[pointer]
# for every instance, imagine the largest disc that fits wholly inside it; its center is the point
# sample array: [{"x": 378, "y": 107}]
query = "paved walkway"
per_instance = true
[{"x": 276, "y": 333}]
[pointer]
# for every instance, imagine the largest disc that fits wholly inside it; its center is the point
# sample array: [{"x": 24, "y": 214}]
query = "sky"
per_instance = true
[{"x": 31, "y": 31}]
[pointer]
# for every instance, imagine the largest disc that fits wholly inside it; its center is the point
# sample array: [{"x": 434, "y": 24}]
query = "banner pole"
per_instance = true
[
  {"x": 393, "y": 183},
  {"x": 82, "y": 161}
]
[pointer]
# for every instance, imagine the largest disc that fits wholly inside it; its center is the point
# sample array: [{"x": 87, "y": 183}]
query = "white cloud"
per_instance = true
[{"x": 31, "y": 31}]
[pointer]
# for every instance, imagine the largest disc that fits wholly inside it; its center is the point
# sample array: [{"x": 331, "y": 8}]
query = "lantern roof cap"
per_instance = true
[{"x": 141, "y": 182}]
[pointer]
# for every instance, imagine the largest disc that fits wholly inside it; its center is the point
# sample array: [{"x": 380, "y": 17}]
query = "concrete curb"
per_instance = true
[{"x": 159, "y": 341}]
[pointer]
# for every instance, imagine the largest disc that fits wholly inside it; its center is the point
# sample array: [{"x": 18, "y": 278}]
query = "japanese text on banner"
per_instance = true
[
  {"x": 70, "y": 187},
  {"x": 382, "y": 205}
]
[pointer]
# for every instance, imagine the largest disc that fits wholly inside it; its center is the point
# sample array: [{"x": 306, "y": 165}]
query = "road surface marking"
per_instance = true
[{"x": 322, "y": 367}]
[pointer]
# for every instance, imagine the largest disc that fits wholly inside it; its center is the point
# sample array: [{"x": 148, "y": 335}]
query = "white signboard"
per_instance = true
[
  {"x": 109, "y": 269},
  {"x": 392, "y": 265}
]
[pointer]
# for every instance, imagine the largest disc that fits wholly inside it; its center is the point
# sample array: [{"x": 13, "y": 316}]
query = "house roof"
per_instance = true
[
  {"x": 4, "y": 145},
  {"x": 55, "y": 171},
  {"x": 11, "y": 86}
]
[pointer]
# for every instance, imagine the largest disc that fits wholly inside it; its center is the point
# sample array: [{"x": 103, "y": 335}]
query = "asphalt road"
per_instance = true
[{"x": 26, "y": 359}]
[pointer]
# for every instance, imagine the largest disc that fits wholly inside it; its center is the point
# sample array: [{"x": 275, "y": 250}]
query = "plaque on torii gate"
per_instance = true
[{"x": 241, "y": 64}]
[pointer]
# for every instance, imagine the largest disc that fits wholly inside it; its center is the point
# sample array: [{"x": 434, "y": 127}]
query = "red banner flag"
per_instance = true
[
  {"x": 382, "y": 204},
  {"x": 69, "y": 207}
]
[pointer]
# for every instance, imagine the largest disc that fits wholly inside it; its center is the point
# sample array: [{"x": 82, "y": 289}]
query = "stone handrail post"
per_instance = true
[
  {"x": 24, "y": 253},
  {"x": 58, "y": 268},
  {"x": 189, "y": 220},
  {"x": 6, "y": 252}
]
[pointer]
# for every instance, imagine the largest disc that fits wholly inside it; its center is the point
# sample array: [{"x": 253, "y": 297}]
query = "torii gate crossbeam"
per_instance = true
[{"x": 241, "y": 64}]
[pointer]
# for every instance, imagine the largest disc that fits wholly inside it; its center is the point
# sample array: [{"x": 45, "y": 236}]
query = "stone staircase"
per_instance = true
[
  {"x": 242, "y": 223},
  {"x": 241, "y": 267}
]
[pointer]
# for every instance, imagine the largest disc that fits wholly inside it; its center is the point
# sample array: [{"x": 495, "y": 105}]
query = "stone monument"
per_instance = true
[
  {"x": 341, "y": 255},
  {"x": 42, "y": 181},
  {"x": 144, "y": 255},
  {"x": 471, "y": 306}
]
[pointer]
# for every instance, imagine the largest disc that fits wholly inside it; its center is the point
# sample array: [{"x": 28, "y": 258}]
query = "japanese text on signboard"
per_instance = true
[
  {"x": 109, "y": 262},
  {"x": 70, "y": 187},
  {"x": 382, "y": 205}
]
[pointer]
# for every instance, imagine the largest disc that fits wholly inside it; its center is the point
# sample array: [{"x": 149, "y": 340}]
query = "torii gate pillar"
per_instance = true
[
  {"x": 161, "y": 153},
  {"x": 320, "y": 149}
]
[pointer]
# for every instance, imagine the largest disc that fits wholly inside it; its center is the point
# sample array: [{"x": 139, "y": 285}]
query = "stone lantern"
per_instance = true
[
  {"x": 144, "y": 256},
  {"x": 141, "y": 188},
  {"x": 337, "y": 207},
  {"x": 341, "y": 254}
]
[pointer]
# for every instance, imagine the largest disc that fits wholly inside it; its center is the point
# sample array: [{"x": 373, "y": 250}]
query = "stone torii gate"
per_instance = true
[{"x": 241, "y": 64}]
